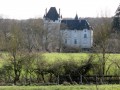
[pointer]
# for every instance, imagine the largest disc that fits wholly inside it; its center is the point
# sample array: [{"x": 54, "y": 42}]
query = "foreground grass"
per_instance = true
[{"x": 60, "y": 87}]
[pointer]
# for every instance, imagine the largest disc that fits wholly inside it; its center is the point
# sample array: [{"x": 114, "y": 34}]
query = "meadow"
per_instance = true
[
  {"x": 61, "y": 87},
  {"x": 76, "y": 56},
  {"x": 66, "y": 56}
]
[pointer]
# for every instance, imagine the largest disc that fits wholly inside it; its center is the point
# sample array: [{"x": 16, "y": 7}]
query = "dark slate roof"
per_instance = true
[
  {"x": 76, "y": 24},
  {"x": 84, "y": 24},
  {"x": 52, "y": 14}
]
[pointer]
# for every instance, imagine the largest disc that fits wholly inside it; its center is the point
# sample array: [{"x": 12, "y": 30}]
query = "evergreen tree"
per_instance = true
[{"x": 116, "y": 20}]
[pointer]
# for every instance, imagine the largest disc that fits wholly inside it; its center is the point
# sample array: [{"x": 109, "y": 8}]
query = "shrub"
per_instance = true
[{"x": 66, "y": 83}]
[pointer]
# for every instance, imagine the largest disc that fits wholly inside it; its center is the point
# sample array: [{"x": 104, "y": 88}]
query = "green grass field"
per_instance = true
[
  {"x": 76, "y": 56},
  {"x": 63, "y": 56},
  {"x": 60, "y": 87}
]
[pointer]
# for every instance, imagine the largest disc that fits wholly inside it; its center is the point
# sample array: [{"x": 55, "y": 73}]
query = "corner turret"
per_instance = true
[{"x": 52, "y": 15}]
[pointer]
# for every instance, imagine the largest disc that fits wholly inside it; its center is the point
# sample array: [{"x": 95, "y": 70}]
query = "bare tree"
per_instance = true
[
  {"x": 51, "y": 36},
  {"x": 14, "y": 48},
  {"x": 33, "y": 34},
  {"x": 101, "y": 42}
]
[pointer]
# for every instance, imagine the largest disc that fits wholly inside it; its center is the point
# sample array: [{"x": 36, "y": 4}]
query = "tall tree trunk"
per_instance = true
[{"x": 43, "y": 77}]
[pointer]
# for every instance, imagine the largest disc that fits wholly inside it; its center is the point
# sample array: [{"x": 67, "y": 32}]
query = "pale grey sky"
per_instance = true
[{"x": 24, "y": 9}]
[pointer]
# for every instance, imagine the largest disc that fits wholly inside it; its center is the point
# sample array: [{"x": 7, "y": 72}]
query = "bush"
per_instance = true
[
  {"x": 66, "y": 83},
  {"x": 75, "y": 83}
]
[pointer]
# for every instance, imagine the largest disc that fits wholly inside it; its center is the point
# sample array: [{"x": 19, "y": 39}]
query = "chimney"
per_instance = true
[
  {"x": 46, "y": 11},
  {"x": 59, "y": 12},
  {"x": 61, "y": 16}
]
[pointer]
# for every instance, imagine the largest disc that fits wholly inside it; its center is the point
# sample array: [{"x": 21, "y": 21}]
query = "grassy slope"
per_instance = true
[
  {"x": 78, "y": 56},
  {"x": 60, "y": 87},
  {"x": 65, "y": 56}
]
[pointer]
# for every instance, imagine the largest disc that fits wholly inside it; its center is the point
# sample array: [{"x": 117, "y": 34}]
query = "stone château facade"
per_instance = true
[{"x": 75, "y": 33}]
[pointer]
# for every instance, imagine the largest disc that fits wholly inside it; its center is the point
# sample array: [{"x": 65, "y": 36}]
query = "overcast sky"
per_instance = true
[{"x": 24, "y": 9}]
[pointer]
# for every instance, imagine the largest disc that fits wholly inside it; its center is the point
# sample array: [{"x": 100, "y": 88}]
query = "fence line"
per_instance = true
[{"x": 109, "y": 79}]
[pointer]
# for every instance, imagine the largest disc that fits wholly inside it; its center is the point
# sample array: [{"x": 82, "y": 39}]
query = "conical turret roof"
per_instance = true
[{"x": 52, "y": 14}]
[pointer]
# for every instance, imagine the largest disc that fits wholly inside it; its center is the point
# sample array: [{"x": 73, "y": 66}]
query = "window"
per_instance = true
[
  {"x": 85, "y": 35},
  {"x": 65, "y": 41},
  {"x": 75, "y": 41}
]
